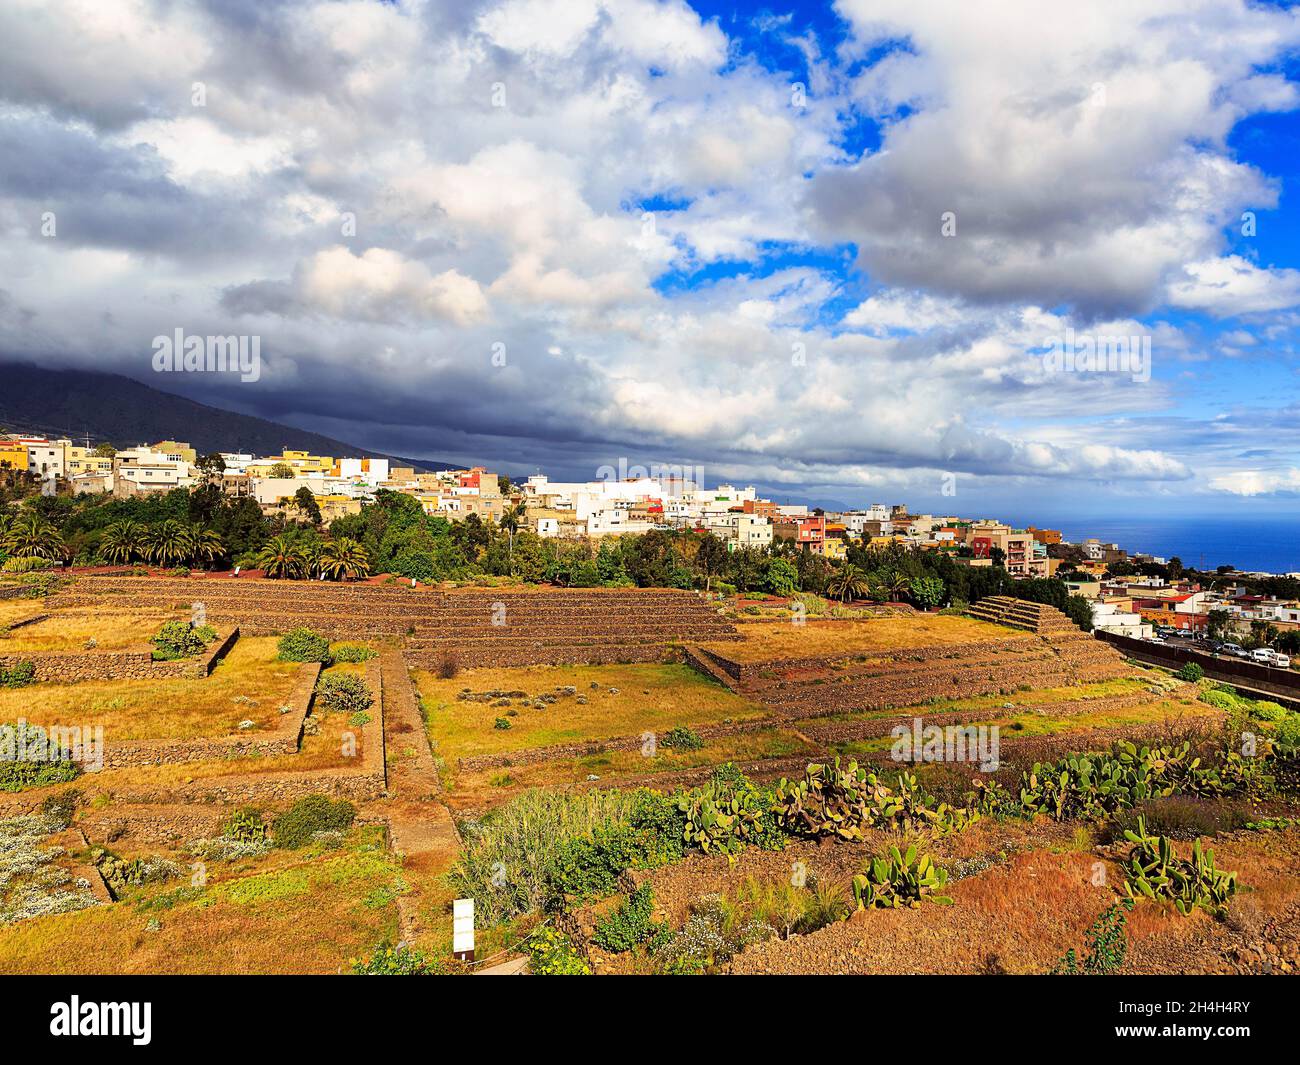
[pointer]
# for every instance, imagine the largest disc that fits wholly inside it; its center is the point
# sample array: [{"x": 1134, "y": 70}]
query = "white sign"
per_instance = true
[{"x": 462, "y": 926}]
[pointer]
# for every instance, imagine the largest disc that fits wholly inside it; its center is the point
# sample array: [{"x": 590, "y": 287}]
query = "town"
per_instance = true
[{"x": 1129, "y": 594}]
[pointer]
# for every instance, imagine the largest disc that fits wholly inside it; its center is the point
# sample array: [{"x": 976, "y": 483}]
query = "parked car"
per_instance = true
[
  {"x": 1281, "y": 661},
  {"x": 1233, "y": 650},
  {"x": 1263, "y": 655}
]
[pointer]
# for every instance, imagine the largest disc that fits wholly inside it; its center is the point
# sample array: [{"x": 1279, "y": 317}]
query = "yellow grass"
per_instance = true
[
  {"x": 651, "y": 697},
  {"x": 175, "y": 708},
  {"x": 812, "y": 639},
  {"x": 12, "y": 610},
  {"x": 308, "y": 917},
  {"x": 72, "y": 630}
]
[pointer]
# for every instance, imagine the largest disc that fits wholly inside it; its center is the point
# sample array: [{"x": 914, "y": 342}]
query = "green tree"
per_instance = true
[
  {"x": 305, "y": 501},
  {"x": 30, "y": 536},
  {"x": 849, "y": 582},
  {"x": 122, "y": 542},
  {"x": 781, "y": 578},
  {"x": 281, "y": 559},
  {"x": 344, "y": 559}
]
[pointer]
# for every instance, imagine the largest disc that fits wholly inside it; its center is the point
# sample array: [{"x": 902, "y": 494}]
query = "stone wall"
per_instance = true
[
  {"x": 74, "y": 667},
  {"x": 284, "y": 740}
]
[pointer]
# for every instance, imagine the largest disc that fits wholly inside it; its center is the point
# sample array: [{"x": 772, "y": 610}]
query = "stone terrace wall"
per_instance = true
[
  {"x": 129, "y": 664},
  {"x": 284, "y": 740}
]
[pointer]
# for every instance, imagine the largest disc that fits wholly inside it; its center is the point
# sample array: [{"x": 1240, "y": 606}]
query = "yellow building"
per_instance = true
[
  {"x": 301, "y": 462},
  {"x": 177, "y": 451},
  {"x": 82, "y": 460},
  {"x": 13, "y": 456}
]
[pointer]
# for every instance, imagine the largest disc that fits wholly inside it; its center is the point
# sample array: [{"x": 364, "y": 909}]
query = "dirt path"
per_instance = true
[{"x": 420, "y": 825}]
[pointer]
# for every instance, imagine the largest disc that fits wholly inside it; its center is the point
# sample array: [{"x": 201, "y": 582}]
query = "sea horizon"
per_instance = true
[{"x": 1269, "y": 544}]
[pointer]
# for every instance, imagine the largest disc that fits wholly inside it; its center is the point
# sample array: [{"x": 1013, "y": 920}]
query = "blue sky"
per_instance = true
[{"x": 820, "y": 248}]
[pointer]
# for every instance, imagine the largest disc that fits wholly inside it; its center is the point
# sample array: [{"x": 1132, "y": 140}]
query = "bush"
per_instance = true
[
  {"x": 551, "y": 953},
  {"x": 1191, "y": 671},
  {"x": 36, "y": 769},
  {"x": 501, "y": 723},
  {"x": 1179, "y": 817},
  {"x": 344, "y": 693},
  {"x": 1107, "y": 943},
  {"x": 631, "y": 924},
  {"x": 681, "y": 738},
  {"x": 316, "y": 813},
  {"x": 180, "y": 639},
  {"x": 303, "y": 645},
  {"x": 513, "y": 858},
  {"x": 245, "y": 826},
  {"x": 354, "y": 652},
  {"x": 402, "y": 960},
  {"x": 448, "y": 667},
  {"x": 19, "y": 676}
]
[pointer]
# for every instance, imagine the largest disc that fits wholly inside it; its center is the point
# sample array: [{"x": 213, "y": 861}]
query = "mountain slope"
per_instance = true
[{"x": 113, "y": 408}]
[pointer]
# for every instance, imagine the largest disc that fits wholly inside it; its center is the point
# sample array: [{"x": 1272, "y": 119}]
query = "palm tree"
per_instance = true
[
  {"x": 510, "y": 521},
  {"x": 123, "y": 541},
  {"x": 167, "y": 543},
  {"x": 849, "y": 583},
  {"x": 204, "y": 544},
  {"x": 31, "y": 536},
  {"x": 344, "y": 559},
  {"x": 281, "y": 559},
  {"x": 898, "y": 585}
]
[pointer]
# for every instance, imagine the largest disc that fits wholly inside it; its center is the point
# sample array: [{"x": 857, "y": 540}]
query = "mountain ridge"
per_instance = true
[{"x": 119, "y": 410}]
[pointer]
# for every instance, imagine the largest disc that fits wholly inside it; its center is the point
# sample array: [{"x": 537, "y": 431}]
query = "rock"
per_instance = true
[
  {"x": 582, "y": 699},
  {"x": 245, "y": 725},
  {"x": 595, "y": 685},
  {"x": 592, "y": 776},
  {"x": 613, "y": 691}
]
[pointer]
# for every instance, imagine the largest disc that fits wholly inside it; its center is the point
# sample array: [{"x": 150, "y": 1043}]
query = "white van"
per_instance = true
[{"x": 1263, "y": 655}]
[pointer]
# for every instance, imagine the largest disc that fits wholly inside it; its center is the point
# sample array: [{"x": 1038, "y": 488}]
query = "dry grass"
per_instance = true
[
  {"x": 651, "y": 697},
  {"x": 307, "y": 917},
  {"x": 775, "y": 641},
  {"x": 14, "y": 610},
  {"x": 176, "y": 708},
  {"x": 70, "y": 631}
]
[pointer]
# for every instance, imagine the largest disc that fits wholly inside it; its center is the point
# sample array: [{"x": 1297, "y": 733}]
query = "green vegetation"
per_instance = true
[
  {"x": 681, "y": 738},
  {"x": 27, "y": 760},
  {"x": 1153, "y": 870},
  {"x": 631, "y": 924},
  {"x": 344, "y": 693},
  {"x": 551, "y": 953},
  {"x": 1190, "y": 671},
  {"x": 180, "y": 639},
  {"x": 19, "y": 675},
  {"x": 354, "y": 652},
  {"x": 295, "y": 827},
  {"x": 1107, "y": 944},
  {"x": 303, "y": 645},
  {"x": 900, "y": 880}
]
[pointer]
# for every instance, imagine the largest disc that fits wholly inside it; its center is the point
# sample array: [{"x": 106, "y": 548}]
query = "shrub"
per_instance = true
[
  {"x": 512, "y": 858},
  {"x": 180, "y": 639},
  {"x": 344, "y": 693},
  {"x": 303, "y": 645},
  {"x": 19, "y": 675},
  {"x": 631, "y": 924},
  {"x": 1180, "y": 817},
  {"x": 448, "y": 667},
  {"x": 1107, "y": 943},
  {"x": 900, "y": 880},
  {"x": 26, "y": 564},
  {"x": 1153, "y": 870},
  {"x": 587, "y": 867},
  {"x": 551, "y": 953},
  {"x": 681, "y": 738},
  {"x": 316, "y": 813},
  {"x": 354, "y": 652},
  {"x": 502, "y": 723},
  {"x": 34, "y": 769},
  {"x": 60, "y": 808},
  {"x": 401, "y": 960},
  {"x": 1191, "y": 671}
]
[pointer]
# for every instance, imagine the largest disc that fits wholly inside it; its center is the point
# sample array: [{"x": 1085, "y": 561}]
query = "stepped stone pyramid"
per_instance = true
[{"x": 1022, "y": 614}]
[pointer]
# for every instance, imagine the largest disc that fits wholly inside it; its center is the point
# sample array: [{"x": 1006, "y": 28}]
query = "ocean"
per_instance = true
[{"x": 1269, "y": 544}]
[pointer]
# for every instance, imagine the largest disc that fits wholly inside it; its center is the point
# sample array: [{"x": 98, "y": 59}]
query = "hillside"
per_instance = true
[{"x": 113, "y": 408}]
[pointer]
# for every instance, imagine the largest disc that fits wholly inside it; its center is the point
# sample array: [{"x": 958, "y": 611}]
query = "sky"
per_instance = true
[{"x": 853, "y": 252}]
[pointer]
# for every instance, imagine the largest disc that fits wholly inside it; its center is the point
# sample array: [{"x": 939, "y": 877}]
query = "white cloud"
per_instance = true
[{"x": 1231, "y": 286}]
